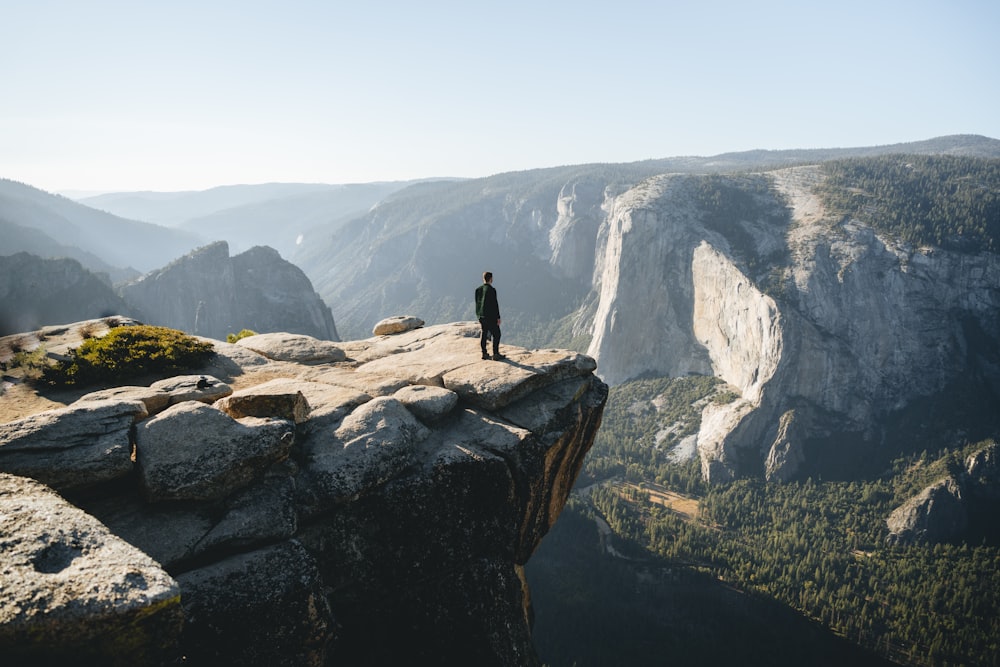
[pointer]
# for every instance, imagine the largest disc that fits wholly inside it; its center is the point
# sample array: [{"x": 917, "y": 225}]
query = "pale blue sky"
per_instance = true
[{"x": 100, "y": 95}]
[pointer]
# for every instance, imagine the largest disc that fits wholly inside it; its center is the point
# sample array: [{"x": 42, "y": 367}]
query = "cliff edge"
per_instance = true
[{"x": 297, "y": 502}]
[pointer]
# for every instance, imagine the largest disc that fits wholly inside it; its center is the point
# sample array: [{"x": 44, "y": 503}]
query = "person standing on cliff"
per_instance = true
[{"x": 488, "y": 312}]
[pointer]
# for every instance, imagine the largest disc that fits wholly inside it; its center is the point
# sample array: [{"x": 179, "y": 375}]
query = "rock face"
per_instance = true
[
  {"x": 936, "y": 514},
  {"x": 943, "y": 511},
  {"x": 35, "y": 291},
  {"x": 209, "y": 294},
  {"x": 375, "y": 510},
  {"x": 864, "y": 327}
]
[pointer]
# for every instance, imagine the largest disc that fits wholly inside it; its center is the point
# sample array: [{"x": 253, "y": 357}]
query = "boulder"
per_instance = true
[
  {"x": 72, "y": 448},
  {"x": 297, "y": 348},
  {"x": 374, "y": 443},
  {"x": 276, "y": 398},
  {"x": 398, "y": 324},
  {"x": 194, "y": 452},
  {"x": 74, "y": 593},
  {"x": 429, "y": 404}
]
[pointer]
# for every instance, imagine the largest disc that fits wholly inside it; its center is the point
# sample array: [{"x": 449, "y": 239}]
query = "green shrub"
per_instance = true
[
  {"x": 232, "y": 338},
  {"x": 32, "y": 362},
  {"x": 126, "y": 352}
]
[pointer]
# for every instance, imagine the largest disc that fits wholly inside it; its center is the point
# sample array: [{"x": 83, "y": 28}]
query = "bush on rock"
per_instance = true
[{"x": 126, "y": 352}]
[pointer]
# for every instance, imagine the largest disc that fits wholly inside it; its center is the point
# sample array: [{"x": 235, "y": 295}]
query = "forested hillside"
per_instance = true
[
  {"x": 815, "y": 547},
  {"x": 942, "y": 200}
]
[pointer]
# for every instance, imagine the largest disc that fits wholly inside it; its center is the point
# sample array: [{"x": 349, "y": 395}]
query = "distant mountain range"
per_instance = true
[
  {"x": 271, "y": 214},
  {"x": 116, "y": 241}
]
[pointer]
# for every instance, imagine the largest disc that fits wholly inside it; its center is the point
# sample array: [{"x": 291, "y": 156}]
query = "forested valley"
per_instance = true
[{"x": 763, "y": 573}]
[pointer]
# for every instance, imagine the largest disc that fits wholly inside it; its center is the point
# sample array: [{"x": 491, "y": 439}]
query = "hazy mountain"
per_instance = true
[
  {"x": 36, "y": 242},
  {"x": 177, "y": 208},
  {"x": 116, "y": 241},
  {"x": 35, "y": 292},
  {"x": 280, "y": 222},
  {"x": 173, "y": 208}
]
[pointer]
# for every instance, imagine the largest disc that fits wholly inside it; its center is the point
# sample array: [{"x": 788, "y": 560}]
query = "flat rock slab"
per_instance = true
[
  {"x": 204, "y": 388},
  {"x": 364, "y": 351},
  {"x": 69, "y": 582},
  {"x": 495, "y": 384},
  {"x": 299, "y": 348},
  {"x": 423, "y": 356},
  {"x": 449, "y": 356},
  {"x": 72, "y": 448},
  {"x": 368, "y": 383},
  {"x": 155, "y": 400}
]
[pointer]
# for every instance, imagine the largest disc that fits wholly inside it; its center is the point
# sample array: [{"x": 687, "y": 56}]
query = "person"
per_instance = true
[{"x": 488, "y": 312}]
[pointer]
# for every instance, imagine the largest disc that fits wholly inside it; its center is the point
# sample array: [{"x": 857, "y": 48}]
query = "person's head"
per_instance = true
[{"x": 487, "y": 276}]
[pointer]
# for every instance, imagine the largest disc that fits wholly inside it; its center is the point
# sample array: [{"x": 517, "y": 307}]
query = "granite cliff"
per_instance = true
[
  {"x": 847, "y": 328},
  {"x": 209, "y": 293},
  {"x": 296, "y": 502}
]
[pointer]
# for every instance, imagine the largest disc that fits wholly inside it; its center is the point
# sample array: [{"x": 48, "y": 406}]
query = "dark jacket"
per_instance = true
[{"x": 486, "y": 303}]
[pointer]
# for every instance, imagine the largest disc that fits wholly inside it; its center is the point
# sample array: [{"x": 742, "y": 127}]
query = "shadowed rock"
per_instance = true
[
  {"x": 936, "y": 514},
  {"x": 276, "y": 590}
]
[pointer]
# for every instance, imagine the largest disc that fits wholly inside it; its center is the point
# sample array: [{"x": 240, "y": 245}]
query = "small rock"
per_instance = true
[{"x": 398, "y": 324}]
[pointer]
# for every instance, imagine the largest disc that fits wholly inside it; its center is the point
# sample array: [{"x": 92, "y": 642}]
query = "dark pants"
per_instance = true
[{"x": 493, "y": 329}]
